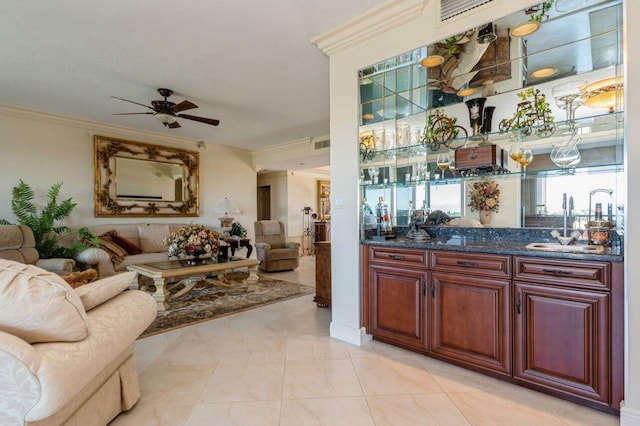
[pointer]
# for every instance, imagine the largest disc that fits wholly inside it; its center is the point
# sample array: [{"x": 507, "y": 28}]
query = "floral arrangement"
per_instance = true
[
  {"x": 193, "y": 241},
  {"x": 484, "y": 195}
]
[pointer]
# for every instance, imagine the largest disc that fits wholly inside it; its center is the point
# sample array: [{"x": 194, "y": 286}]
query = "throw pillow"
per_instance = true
[
  {"x": 98, "y": 292},
  {"x": 126, "y": 244},
  {"x": 151, "y": 236},
  {"x": 116, "y": 253},
  {"x": 39, "y": 306}
]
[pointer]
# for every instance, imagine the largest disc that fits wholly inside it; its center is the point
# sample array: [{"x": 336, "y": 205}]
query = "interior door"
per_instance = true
[{"x": 264, "y": 203}]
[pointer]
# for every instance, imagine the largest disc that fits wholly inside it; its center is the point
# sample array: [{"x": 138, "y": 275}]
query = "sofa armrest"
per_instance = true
[
  {"x": 19, "y": 384},
  {"x": 262, "y": 246},
  {"x": 58, "y": 266},
  {"x": 293, "y": 245},
  {"x": 97, "y": 259}
]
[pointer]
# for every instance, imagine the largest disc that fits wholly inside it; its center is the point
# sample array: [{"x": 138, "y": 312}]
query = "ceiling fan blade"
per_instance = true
[
  {"x": 211, "y": 121},
  {"x": 183, "y": 106},
  {"x": 132, "y": 113},
  {"x": 127, "y": 100},
  {"x": 173, "y": 125}
]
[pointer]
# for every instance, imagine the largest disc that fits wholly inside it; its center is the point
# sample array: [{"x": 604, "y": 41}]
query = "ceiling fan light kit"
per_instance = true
[{"x": 166, "y": 112}]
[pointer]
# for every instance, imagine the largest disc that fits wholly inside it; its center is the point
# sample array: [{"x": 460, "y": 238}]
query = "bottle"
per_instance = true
[
  {"x": 382, "y": 212},
  {"x": 425, "y": 210},
  {"x": 410, "y": 212}
]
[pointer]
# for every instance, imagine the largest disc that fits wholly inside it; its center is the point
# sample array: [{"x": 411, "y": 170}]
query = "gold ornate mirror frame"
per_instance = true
[{"x": 144, "y": 164}]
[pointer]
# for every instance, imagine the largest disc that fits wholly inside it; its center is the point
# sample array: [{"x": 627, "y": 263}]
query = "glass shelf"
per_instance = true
[
  {"x": 529, "y": 174},
  {"x": 605, "y": 127}
]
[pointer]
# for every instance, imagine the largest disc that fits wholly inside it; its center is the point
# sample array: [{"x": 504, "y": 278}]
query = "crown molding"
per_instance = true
[
  {"x": 370, "y": 24},
  {"x": 90, "y": 126}
]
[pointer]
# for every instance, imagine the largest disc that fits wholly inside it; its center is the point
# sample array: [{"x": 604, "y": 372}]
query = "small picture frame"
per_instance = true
[{"x": 324, "y": 199}]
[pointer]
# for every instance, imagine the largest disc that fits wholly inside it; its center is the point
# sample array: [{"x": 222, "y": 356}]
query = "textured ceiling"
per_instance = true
[{"x": 248, "y": 63}]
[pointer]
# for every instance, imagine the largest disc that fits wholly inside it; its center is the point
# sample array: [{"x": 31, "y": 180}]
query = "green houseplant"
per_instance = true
[
  {"x": 45, "y": 223},
  {"x": 237, "y": 230}
]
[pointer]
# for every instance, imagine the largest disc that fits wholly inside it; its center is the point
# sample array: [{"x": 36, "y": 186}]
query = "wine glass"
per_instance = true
[
  {"x": 373, "y": 174},
  {"x": 452, "y": 165},
  {"x": 516, "y": 151},
  {"x": 568, "y": 96},
  {"x": 526, "y": 159},
  {"x": 443, "y": 162}
]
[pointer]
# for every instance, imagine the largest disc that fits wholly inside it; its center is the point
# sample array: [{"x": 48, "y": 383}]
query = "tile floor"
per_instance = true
[{"x": 277, "y": 365}]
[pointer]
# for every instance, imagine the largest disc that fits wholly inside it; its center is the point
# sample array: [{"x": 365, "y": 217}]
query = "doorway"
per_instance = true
[{"x": 264, "y": 202}]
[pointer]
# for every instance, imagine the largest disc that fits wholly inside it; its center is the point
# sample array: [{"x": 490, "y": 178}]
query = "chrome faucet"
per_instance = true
[{"x": 564, "y": 239}]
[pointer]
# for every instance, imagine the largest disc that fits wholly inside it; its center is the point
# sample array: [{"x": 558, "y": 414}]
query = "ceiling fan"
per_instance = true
[{"x": 167, "y": 112}]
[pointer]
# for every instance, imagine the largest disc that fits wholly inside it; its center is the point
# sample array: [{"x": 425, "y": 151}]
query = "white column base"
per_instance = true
[
  {"x": 629, "y": 416},
  {"x": 356, "y": 336}
]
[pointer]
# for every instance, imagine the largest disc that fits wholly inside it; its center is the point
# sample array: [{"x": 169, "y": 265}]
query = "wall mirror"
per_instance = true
[
  {"x": 574, "y": 41},
  {"x": 144, "y": 180}
]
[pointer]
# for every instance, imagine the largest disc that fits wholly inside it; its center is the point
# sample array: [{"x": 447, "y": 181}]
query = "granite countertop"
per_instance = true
[{"x": 494, "y": 243}]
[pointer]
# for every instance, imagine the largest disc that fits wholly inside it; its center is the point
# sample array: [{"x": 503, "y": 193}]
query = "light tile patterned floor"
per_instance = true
[{"x": 277, "y": 365}]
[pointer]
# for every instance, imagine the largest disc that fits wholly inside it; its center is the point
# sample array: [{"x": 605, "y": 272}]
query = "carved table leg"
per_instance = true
[
  {"x": 161, "y": 295},
  {"x": 253, "y": 277},
  {"x": 249, "y": 250}
]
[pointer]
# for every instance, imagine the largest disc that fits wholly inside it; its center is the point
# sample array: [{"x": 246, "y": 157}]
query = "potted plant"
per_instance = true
[
  {"x": 237, "y": 230},
  {"x": 45, "y": 223}
]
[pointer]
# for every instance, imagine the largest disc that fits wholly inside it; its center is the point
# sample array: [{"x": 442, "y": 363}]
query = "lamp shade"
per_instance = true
[
  {"x": 605, "y": 93},
  {"x": 226, "y": 205}
]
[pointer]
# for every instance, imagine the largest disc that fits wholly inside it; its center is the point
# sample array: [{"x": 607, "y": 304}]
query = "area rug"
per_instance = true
[{"x": 208, "y": 300}]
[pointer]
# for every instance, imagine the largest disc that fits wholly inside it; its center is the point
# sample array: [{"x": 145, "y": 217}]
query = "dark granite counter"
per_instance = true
[{"x": 495, "y": 241}]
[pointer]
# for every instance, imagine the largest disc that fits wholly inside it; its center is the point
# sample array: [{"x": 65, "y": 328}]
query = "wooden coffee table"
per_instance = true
[{"x": 161, "y": 272}]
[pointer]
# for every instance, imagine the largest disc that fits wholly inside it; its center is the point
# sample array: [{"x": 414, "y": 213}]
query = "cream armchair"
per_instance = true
[
  {"x": 273, "y": 251},
  {"x": 18, "y": 244}
]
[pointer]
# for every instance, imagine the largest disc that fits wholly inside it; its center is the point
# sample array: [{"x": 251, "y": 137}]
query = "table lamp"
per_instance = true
[{"x": 226, "y": 206}]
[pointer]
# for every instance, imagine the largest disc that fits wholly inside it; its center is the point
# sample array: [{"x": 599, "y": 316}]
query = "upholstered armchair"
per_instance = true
[
  {"x": 274, "y": 252},
  {"x": 18, "y": 244}
]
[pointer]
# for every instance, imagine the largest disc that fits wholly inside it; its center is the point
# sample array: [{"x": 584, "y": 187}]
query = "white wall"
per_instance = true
[
  {"x": 344, "y": 108},
  {"x": 277, "y": 181},
  {"x": 42, "y": 150},
  {"x": 290, "y": 192}
]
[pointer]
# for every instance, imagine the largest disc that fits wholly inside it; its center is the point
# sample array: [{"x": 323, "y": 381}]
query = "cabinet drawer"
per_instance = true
[
  {"x": 397, "y": 256},
  {"x": 487, "y": 265},
  {"x": 569, "y": 273}
]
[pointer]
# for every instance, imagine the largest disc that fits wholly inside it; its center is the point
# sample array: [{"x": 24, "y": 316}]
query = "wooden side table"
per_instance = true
[
  {"x": 323, "y": 274},
  {"x": 239, "y": 243}
]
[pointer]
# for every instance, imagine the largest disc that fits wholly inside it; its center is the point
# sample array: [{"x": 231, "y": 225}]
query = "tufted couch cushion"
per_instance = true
[{"x": 39, "y": 306}]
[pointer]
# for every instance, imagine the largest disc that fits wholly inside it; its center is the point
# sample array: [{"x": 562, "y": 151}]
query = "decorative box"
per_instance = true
[{"x": 482, "y": 158}]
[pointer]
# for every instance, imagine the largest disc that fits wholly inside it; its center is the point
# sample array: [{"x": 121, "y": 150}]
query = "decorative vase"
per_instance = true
[
  {"x": 486, "y": 119},
  {"x": 476, "y": 110},
  {"x": 485, "y": 217}
]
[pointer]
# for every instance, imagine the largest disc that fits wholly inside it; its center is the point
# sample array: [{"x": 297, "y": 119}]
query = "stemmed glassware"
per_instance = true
[
  {"x": 443, "y": 163},
  {"x": 566, "y": 154},
  {"x": 568, "y": 96},
  {"x": 521, "y": 155},
  {"x": 373, "y": 174}
]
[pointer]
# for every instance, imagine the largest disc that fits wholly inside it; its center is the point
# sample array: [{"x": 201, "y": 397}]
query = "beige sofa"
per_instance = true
[
  {"x": 66, "y": 355},
  {"x": 147, "y": 237},
  {"x": 18, "y": 244}
]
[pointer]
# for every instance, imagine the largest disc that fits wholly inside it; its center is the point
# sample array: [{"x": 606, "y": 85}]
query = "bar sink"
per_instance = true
[{"x": 571, "y": 248}]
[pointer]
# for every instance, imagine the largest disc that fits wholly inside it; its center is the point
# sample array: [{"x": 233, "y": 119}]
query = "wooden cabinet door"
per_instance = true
[
  {"x": 397, "y": 306},
  {"x": 470, "y": 320},
  {"x": 562, "y": 339}
]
